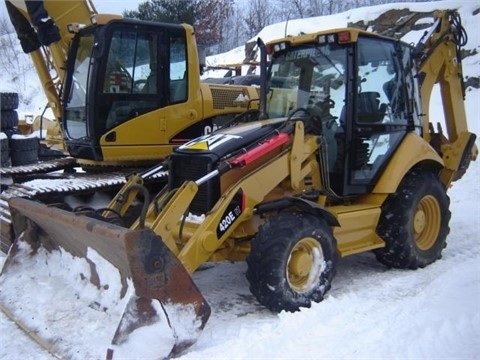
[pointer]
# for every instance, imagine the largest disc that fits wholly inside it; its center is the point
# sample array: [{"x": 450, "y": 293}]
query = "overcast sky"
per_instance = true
[
  {"x": 116, "y": 6},
  {"x": 102, "y": 6}
]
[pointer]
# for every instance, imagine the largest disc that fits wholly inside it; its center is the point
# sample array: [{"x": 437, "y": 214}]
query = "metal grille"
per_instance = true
[
  {"x": 223, "y": 98},
  {"x": 190, "y": 167}
]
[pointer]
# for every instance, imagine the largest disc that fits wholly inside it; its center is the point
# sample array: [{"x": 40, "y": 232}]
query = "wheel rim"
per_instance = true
[
  {"x": 305, "y": 265},
  {"x": 426, "y": 222}
]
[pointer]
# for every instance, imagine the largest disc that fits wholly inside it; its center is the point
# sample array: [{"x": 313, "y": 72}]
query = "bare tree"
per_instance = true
[
  {"x": 233, "y": 30},
  {"x": 11, "y": 60},
  {"x": 259, "y": 15}
]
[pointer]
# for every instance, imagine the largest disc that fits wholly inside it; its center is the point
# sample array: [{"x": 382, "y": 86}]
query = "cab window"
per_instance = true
[
  {"x": 131, "y": 63},
  {"x": 178, "y": 69},
  {"x": 381, "y": 115}
]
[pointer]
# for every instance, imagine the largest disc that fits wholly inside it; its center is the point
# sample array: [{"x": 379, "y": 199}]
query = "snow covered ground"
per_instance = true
[{"x": 371, "y": 312}]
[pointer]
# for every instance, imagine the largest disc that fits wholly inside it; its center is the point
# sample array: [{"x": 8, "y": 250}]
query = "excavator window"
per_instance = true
[
  {"x": 76, "y": 95},
  {"x": 150, "y": 67},
  {"x": 178, "y": 70},
  {"x": 131, "y": 61},
  {"x": 131, "y": 76}
]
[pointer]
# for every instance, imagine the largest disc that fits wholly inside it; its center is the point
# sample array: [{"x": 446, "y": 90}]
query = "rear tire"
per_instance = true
[
  {"x": 414, "y": 222},
  {"x": 292, "y": 261}
]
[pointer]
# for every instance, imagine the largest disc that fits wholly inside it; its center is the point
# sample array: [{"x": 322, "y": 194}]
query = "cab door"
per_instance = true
[
  {"x": 129, "y": 82},
  {"x": 379, "y": 115}
]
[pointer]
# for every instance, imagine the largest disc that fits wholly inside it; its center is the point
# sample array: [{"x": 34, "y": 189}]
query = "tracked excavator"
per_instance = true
[
  {"x": 123, "y": 92},
  {"x": 342, "y": 159}
]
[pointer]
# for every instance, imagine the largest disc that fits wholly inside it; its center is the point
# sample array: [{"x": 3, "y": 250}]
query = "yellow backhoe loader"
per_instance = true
[{"x": 342, "y": 159}]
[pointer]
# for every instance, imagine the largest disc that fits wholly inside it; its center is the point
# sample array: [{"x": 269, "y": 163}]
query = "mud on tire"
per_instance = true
[
  {"x": 292, "y": 261},
  {"x": 414, "y": 222}
]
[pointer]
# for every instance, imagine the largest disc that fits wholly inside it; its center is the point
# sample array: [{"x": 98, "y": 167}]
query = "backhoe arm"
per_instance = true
[{"x": 439, "y": 58}]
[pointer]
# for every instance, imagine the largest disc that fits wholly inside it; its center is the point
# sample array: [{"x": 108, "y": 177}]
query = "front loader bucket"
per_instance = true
[{"x": 84, "y": 288}]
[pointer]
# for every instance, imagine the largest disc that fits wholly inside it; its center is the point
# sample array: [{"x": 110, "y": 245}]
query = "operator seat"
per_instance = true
[
  {"x": 150, "y": 86},
  {"x": 369, "y": 109}
]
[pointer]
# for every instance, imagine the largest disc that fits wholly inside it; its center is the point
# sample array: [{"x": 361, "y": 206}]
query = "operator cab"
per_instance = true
[
  {"x": 117, "y": 72},
  {"x": 355, "y": 94}
]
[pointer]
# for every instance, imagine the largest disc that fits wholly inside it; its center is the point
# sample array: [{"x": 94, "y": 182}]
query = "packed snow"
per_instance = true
[{"x": 370, "y": 312}]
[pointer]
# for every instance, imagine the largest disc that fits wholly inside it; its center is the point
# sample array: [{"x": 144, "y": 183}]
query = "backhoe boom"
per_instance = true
[{"x": 440, "y": 62}]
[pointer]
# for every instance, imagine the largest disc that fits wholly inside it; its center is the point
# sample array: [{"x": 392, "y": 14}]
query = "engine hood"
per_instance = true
[{"x": 226, "y": 141}]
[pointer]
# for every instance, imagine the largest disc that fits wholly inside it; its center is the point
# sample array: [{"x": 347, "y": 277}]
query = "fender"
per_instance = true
[
  {"x": 303, "y": 205},
  {"x": 412, "y": 151}
]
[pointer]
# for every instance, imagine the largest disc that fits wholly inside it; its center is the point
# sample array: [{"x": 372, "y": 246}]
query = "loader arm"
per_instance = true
[
  {"x": 235, "y": 206},
  {"x": 440, "y": 62},
  {"x": 125, "y": 197},
  {"x": 152, "y": 290}
]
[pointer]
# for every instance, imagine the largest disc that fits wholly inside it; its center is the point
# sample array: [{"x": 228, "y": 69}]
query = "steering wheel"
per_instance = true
[
  {"x": 321, "y": 108},
  {"x": 117, "y": 76}
]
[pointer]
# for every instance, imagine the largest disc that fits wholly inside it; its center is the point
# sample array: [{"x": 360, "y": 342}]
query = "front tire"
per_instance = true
[
  {"x": 292, "y": 261},
  {"x": 414, "y": 222}
]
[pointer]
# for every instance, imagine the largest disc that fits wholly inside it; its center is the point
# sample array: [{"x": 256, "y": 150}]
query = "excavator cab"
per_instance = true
[
  {"x": 127, "y": 92},
  {"x": 355, "y": 94},
  {"x": 117, "y": 73}
]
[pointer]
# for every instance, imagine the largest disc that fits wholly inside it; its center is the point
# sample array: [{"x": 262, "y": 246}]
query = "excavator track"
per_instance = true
[
  {"x": 48, "y": 189},
  {"x": 40, "y": 167}
]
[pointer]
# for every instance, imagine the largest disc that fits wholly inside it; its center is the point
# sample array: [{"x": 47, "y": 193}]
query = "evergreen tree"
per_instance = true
[
  {"x": 172, "y": 11},
  {"x": 207, "y": 16}
]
